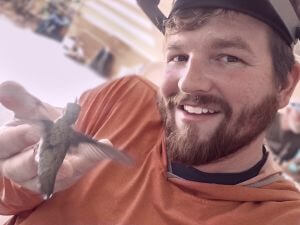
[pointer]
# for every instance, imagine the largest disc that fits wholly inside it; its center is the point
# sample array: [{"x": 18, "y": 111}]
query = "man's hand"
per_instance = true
[{"x": 18, "y": 141}]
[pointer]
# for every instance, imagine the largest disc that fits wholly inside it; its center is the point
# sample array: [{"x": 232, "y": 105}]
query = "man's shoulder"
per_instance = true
[
  {"x": 119, "y": 107},
  {"x": 132, "y": 82},
  {"x": 128, "y": 88}
]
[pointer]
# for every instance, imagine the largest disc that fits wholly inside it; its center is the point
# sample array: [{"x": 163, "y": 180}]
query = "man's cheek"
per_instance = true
[{"x": 169, "y": 85}]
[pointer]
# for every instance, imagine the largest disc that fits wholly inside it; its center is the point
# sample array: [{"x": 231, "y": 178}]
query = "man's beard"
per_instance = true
[{"x": 183, "y": 145}]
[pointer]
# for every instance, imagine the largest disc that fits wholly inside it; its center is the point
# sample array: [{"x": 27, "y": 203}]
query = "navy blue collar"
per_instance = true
[{"x": 193, "y": 174}]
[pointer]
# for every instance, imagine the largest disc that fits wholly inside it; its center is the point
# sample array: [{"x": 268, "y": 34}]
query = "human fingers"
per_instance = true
[
  {"x": 26, "y": 106},
  {"x": 31, "y": 184},
  {"x": 20, "y": 167},
  {"x": 66, "y": 170},
  {"x": 64, "y": 179},
  {"x": 60, "y": 185},
  {"x": 14, "y": 139},
  {"x": 75, "y": 165}
]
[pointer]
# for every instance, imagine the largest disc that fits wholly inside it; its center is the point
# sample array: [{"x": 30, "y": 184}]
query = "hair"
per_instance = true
[{"x": 190, "y": 19}]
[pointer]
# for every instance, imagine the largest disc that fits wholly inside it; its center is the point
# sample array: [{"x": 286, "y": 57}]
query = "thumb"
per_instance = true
[{"x": 16, "y": 98}]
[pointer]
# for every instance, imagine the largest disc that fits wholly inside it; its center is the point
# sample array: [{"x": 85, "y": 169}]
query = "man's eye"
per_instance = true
[
  {"x": 179, "y": 58},
  {"x": 229, "y": 59}
]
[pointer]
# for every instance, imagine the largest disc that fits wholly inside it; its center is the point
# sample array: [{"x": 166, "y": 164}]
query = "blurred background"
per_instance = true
[{"x": 57, "y": 49}]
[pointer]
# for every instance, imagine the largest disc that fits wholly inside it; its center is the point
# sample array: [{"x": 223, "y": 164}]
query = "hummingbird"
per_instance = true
[{"x": 57, "y": 138}]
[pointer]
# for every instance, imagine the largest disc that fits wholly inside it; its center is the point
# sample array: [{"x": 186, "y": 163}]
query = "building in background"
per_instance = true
[{"x": 120, "y": 27}]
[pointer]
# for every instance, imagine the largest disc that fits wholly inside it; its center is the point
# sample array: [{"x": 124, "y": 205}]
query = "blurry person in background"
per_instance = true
[
  {"x": 54, "y": 24},
  {"x": 283, "y": 136},
  {"x": 292, "y": 168}
]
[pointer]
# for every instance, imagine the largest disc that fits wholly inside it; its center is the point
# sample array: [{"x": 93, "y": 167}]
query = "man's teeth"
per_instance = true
[{"x": 198, "y": 110}]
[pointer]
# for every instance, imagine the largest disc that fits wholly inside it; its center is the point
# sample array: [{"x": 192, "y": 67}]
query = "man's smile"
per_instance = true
[
  {"x": 189, "y": 113},
  {"x": 198, "y": 110}
]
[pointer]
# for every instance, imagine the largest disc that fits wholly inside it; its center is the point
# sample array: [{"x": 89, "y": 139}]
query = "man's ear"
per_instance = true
[{"x": 285, "y": 92}]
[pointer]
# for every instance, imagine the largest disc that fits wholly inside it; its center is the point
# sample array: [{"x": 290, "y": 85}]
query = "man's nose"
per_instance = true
[{"x": 195, "y": 78}]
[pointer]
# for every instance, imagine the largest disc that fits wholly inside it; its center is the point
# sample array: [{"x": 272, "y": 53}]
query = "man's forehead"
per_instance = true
[
  {"x": 230, "y": 30},
  {"x": 233, "y": 41},
  {"x": 231, "y": 23}
]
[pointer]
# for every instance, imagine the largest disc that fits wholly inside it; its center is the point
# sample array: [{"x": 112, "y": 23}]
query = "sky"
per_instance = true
[{"x": 40, "y": 65}]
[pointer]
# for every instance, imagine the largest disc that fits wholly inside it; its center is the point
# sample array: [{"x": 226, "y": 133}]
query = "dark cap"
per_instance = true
[{"x": 279, "y": 14}]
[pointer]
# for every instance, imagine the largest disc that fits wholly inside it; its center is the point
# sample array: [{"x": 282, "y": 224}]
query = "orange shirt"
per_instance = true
[{"x": 125, "y": 112}]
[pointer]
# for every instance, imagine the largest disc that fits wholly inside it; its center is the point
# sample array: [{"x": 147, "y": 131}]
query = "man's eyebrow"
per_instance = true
[
  {"x": 217, "y": 43},
  {"x": 235, "y": 42},
  {"x": 176, "y": 45}
]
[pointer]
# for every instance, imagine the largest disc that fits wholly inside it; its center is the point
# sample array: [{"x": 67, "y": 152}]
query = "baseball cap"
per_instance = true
[{"x": 281, "y": 15}]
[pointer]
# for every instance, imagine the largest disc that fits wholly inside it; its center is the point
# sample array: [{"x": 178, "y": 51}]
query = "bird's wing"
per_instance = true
[{"x": 106, "y": 151}]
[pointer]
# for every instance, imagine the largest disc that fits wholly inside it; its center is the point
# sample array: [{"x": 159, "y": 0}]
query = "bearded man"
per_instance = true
[{"x": 197, "y": 140}]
